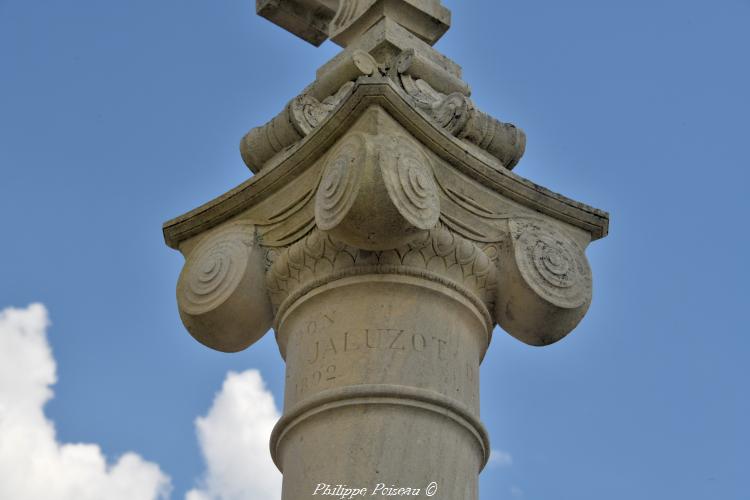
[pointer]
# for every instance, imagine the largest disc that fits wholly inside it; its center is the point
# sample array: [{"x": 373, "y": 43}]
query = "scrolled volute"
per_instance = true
[
  {"x": 544, "y": 283},
  {"x": 221, "y": 292},
  {"x": 377, "y": 193}
]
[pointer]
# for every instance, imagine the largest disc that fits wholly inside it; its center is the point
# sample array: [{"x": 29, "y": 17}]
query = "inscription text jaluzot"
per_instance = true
[{"x": 378, "y": 339}]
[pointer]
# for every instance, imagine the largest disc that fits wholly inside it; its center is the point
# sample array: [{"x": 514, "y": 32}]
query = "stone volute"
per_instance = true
[{"x": 382, "y": 237}]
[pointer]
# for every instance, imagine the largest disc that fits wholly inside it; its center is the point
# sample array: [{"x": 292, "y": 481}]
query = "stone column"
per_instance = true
[
  {"x": 382, "y": 237},
  {"x": 383, "y": 353}
]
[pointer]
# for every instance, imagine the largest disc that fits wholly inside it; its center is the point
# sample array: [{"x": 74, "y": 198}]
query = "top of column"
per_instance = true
[
  {"x": 345, "y": 21},
  {"x": 383, "y": 164}
]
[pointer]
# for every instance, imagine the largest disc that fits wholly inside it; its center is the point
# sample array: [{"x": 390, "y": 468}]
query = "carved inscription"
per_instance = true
[
  {"x": 325, "y": 373},
  {"x": 377, "y": 339},
  {"x": 315, "y": 379},
  {"x": 327, "y": 345}
]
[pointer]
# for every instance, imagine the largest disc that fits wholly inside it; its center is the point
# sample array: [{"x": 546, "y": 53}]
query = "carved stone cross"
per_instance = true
[{"x": 383, "y": 237}]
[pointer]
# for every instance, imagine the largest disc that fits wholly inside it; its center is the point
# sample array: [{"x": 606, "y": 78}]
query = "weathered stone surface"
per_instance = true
[
  {"x": 390, "y": 173},
  {"x": 221, "y": 294},
  {"x": 386, "y": 40},
  {"x": 382, "y": 375},
  {"x": 345, "y": 21},
  {"x": 426, "y": 19},
  {"x": 544, "y": 284},
  {"x": 308, "y": 19},
  {"x": 455, "y": 113},
  {"x": 383, "y": 236}
]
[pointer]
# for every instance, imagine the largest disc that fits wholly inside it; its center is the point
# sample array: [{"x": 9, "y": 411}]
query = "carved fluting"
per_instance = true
[
  {"x": 544, "y": 283},
  {"x": 377, "y": 193},
  {"x": 456, "y": 113},
  {"x": 439, "y": 255},
  {"x": 348, "y": 11},
  {"x": 221, "y": 292}
]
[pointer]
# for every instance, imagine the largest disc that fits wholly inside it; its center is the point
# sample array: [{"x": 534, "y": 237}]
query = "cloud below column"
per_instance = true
[
  {"x": 234, "y": 439},
  {"x": 33, "y": 464}
]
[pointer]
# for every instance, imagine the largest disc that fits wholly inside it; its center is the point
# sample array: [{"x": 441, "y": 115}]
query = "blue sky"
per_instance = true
[{"x": 116, "y": 116}]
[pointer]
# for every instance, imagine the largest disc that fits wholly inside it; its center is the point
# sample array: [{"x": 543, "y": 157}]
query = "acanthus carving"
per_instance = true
[
  {"x": 456, "y": 113},
  {"x": 303, "y": 114},
  {"x": 383, "y": 188},
  {"x": 440, "y": 95},
  {"x": 439, "y": 255},
  {"x": 420, "y": 186},
  {"x": 307, "y": 112}
]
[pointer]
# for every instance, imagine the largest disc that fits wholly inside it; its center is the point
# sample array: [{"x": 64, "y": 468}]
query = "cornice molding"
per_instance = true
[{"x": 383, "y": 92}]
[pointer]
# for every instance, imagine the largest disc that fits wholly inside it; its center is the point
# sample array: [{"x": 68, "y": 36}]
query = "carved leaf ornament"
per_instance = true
[{"x": 372, "y": 197}]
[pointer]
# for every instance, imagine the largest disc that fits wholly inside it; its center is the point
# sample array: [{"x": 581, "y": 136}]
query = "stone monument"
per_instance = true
[{"x": 382, "y": 237}]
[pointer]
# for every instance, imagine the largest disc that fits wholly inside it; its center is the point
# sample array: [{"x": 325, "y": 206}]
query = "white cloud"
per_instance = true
[
  {"x": 500, "y": 458},
  {"x": 33, "y": 465},
  {"x": 516, "y": 492},
  {"x": 234, "y": 440}
]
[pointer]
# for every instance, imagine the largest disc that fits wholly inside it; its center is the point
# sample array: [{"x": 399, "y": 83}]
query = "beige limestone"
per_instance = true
[
  {"x": 426, "y": 19},
  {"x": 345, "y": 21},
  {"x": 383, "y": 236},
  {"x": 220, "y": 293},
  {"x": 308, "y": 19},
  {"x": 386, "y": 39}
]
